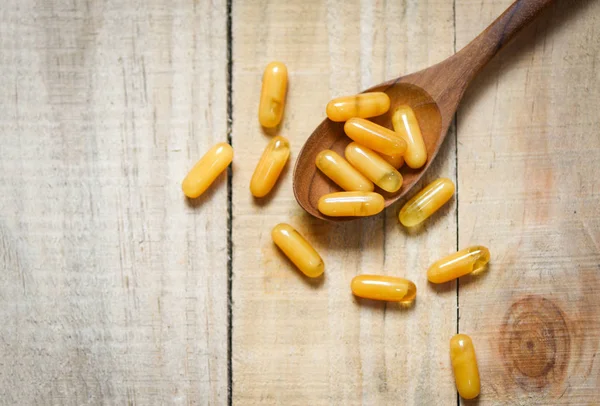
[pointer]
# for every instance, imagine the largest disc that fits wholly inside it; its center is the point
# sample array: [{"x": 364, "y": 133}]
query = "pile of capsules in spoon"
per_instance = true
[{"x": 370, "y": 161}]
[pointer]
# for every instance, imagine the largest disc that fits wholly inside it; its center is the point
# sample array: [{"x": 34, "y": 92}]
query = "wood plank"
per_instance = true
[
  {"x": 113, "y": 289},
  {"x": 528, "y": 186},
  {"x": 301, "y": 342}
]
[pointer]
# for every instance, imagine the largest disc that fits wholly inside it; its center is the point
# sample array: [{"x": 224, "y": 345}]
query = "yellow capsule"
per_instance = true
[
  {"x": 206, "y": 170},
  {"x": 269, "y": 166},
  {"x": 298, "y": 250},
  {"x": 374, "y": 136},
  {"x": 464, "y": 364},
  {"x": 374, "y": 167},
  {"x": 463, "y": 262},
  {"x": 405, "y": 123},
  {"x": 396, "y": 160},
  {"x": 362, "y": 105},
  {"x": 354, "y": 204},
  {"x": 272, "y": 95},
  {"x": 426, "y": 202},
  {"x": 342, "y": 173},
  {"x": 382, "y": 287}
]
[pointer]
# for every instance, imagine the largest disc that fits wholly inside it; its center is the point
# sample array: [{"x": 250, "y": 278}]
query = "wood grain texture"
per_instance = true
[
  {"x": 528, "y": 163},
  {"x": 113, "y": 288},
  {"x": 297, "y": 341},
  {"x": 433, "y": 93}
]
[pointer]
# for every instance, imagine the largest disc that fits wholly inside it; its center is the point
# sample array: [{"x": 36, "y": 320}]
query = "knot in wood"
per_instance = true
[{"x": 535, "y": 342}]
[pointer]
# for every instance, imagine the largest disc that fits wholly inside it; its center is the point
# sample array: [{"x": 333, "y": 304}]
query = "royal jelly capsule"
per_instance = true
[
  {"x": 351, "y": 204},
  {"x": 464, "y": 364},
  {"x": 374, "y": 136},
  {"x": 298, "y": 250},
  {"x": 426, "y": 202},
  {"x": 272, "y": 95},
  {"x": 342, "y": 173},
  {"x": 395, "y": 160},
  {"x": 206, "y": 170},
  {"x": 382, "y": 287},
  {"x": 405, "y": 123},
  {"x": 373, "y": 167},
  {"x": 269, "y": 166},
  {"x": 362, "y": 105},
  {"x": 463, "y": 262}
]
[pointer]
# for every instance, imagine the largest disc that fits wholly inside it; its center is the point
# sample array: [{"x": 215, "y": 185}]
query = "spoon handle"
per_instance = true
[
  {"x": 447, "y": 81},
  {"x": 487, "y": 44}
]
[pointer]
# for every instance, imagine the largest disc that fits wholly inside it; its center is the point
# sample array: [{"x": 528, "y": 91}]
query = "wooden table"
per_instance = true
[{"x": 116, "y": 290}]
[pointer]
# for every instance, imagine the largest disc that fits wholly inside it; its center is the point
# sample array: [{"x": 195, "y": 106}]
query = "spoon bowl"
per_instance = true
[
  {"x": 330, "y": 135},
  {"x": 433, "y": 94}
]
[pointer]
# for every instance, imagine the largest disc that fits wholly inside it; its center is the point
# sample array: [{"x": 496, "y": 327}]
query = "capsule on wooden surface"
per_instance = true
[
  {"x": 463, "y": 262},
  {"x": 272, "y": 95},
  {"x": 374, "y": 136},
  {"x": 269, "y": 166},
  {"x": 426, "y": 202},
  {"x": 351, "y": 204},
  {"x": 383, "y": 287},
  {"x": 342, "y": 173},
  {"x": 374, "y": 167},
  {"x": 298, "y": 250},
  {"x": 395, "y": 160},
  {"x": 464, "y": 364},
  {"x": 206, "y": 170},
  {"x": 405, "y": 123},
  {"x": 362, "y": 105}
]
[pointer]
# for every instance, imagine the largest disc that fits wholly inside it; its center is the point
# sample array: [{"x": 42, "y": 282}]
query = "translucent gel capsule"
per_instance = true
[
  {"x": 464, "y": 364},
  {"x": 426, "y": 202},
  {"x": 463, "y": 262},
  {"x": 272, "y": 95},
  {"x": 374, "y": 167},
  {"x": 206, "y": 170},
  {"x": 354, "y": 204},
  {"x": 342, "y": 173},
  {"x": 298, "y": 250},
  {"x": 382, "y": 287},
  {"x": 396, "y": 160},
  {"x": 362, "y": 105},
  {"x": 269, "y": 166},
  {"x": 374, "y": 136},
  {"x": 405, "y": 123}
]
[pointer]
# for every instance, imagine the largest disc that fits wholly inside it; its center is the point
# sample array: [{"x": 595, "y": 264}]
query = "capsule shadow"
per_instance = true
[
  {"x": 448, "y": 288},
  {"x": 384, "y": 305},
  {"x": 470, "y": 402}
]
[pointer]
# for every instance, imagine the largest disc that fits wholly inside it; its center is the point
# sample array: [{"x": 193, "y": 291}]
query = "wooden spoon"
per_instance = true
[{"x": 433, "y": 93}]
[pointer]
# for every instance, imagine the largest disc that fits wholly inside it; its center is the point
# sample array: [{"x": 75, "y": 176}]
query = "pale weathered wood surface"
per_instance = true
[
  {"x": 528, "y": 165},
  {"x": 301, "y": 342},
  {"x": 113, "y": 289}
]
